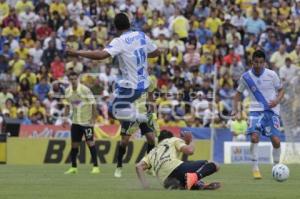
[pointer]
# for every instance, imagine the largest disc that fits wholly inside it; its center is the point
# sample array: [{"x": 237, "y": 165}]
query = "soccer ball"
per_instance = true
[{"x": 280, "y": 172}]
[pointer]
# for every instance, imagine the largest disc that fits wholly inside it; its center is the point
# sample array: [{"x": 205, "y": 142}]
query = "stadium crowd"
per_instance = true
[{"x": 198, "y": 39}]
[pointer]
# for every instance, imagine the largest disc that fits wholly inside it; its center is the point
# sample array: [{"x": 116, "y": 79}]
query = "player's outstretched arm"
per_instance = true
[
  {"x": 153, "y": 54},
  {"x": 90, "y": 54},
  {"x": 140, "y": 168}
]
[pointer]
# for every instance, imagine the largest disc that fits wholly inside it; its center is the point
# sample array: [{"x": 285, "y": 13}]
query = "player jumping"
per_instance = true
[
  {"x": 131, "y": 48},
  {"x": 266, "y": 92},
  {"x": 165, "y": 161}
]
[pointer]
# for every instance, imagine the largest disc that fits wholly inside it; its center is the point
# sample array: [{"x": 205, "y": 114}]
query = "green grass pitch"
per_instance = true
[{"x": 48, "y": 181}]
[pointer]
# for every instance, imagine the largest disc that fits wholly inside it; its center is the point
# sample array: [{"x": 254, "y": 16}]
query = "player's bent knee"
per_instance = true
[{"x": 215, "y": 165}]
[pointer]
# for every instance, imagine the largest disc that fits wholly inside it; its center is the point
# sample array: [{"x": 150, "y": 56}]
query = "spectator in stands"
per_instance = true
[
  {"x": 199, "y": 105},
  {"x": 4, "y": 10},
  {"x": 192, "y": 57},
  {"x": 84, "y": 21},
  {"x": 179, "y": 25},
  {"x": 10, "y": 107},
  {"x": 271, "y": 45},
  {"x": 295, "y": 55},
  {"x": 254, "y": 25},
  {"x": 21, "y": 116},
  {"x": 175, "y": 42},
  {"x": 278, "y": 58},
  {"x": 207, "y": 69},
  {"x": 27, "y": 16},
  {"x": 55, "y": 21},
  {"x": 238, "y": 128},
  {"x": 36, "y": 52},
  {"x": 59, "y": 7},
  {"x": 42, "y": 89},
  {"x": 41, "y": 5},
  {"x": 202, "y": 32},
  {"x": 29, "y": 75},
  {"x": 6, "y": 51},
  {"x": 4, "y": 96},
  {"x": 12, "y": 17},
  {"x": 75, "y": 65},
  {"x": 22, "y": 5},
  {"x": 49, "y": 54},
  {"x": 11, "y": 29},
  {"x": 288, "y": 71},
  {"x": 74, "y": 9},
  {"x": 227, "y": 93},
  {"x": 57, "y": 68}
]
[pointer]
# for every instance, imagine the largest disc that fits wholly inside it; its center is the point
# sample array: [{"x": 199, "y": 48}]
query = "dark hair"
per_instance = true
[
  {"x": 122, "y": 22},
  {"x": 258, "y": 54},
  {"x": 164, "y": 134},
  {"x": 72, "y": 73}
]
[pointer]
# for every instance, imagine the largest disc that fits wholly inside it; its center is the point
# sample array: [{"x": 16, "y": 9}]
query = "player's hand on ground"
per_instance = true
[
  {"x": 273, "y": 103},
  {"x": 187, "y": 137}
]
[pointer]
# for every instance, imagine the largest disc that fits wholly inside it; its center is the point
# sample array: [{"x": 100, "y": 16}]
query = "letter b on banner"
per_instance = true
[{"x": 55, "y": 151}]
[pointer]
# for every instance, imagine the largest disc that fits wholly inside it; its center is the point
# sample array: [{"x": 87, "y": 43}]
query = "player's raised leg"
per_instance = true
[
  {"x": 254, "y": 155},
  {"x": 276, "y": 149}
]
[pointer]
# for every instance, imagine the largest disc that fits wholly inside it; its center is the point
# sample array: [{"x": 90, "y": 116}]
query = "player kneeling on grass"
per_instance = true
[
  {"x": 83, "y": 119},
  {"x": 165, "y": 161}
]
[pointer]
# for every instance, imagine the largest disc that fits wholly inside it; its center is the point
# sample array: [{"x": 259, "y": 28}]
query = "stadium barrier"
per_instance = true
[
  {"x": 57, "y": 151},
  {"x": 112, "y": 132},
  {"x": 2, "y": 148}
]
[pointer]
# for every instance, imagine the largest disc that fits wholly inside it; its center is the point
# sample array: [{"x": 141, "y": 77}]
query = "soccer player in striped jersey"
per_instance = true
[{"x": 131, "y": 48}]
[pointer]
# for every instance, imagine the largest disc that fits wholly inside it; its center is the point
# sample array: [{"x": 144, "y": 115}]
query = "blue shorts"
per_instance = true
[
  {"x": 125, "y": 97},
  {"x": 266, "y": 123}
]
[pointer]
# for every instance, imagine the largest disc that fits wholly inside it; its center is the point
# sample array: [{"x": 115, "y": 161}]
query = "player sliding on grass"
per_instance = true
[
  {"x": 165, "y": 161},
  {"x": 131, "y": 48},
  {"x": 266, "y": 92},
  {"x": 84, "y": 113}
]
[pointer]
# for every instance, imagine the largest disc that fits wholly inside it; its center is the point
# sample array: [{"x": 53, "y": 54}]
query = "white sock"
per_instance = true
[
  {"x": 142, "y": 117},
  {"x": 125, "y": 114},
  {"x": 254, "y": 154},
  {"x": 276, "y": 155}
]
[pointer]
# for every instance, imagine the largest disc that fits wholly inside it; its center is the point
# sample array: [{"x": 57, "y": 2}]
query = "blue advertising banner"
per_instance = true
[{"x": 221, "y": 136}]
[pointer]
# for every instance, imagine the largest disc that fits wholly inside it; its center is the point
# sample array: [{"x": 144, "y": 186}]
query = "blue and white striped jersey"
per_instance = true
[{"x": 131, "y": 50}]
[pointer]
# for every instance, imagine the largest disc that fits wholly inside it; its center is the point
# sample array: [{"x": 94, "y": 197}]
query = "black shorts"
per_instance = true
[
  {"x": 77, "y": 131},
  {"x": 178, "y": 175},
  {"x": 144, "y": 127}
]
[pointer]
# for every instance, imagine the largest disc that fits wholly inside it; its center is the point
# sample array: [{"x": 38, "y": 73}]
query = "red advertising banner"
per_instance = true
[{"x": 51, "y": 131}]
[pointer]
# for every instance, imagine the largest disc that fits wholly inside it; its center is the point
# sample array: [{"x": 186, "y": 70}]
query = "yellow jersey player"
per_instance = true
[
  {"x": 83, "y": 105},
  {"x": 165, "y": 161}
]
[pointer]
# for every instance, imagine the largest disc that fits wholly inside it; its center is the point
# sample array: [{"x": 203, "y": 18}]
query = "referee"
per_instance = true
[{"x": 83, "y": 105}]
